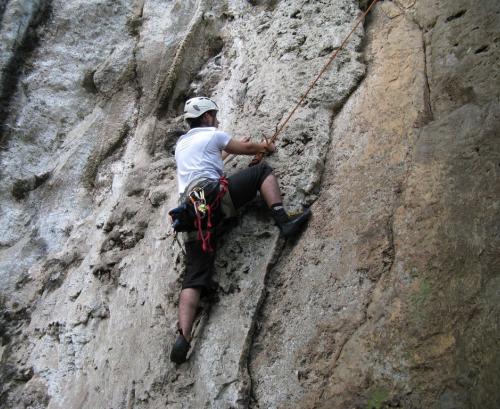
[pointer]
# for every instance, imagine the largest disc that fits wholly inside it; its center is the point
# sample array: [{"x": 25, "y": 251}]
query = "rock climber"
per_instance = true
[{"x": 199, "y": 156}]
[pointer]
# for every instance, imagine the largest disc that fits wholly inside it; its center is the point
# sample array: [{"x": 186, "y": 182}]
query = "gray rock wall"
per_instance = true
[{"x": 388, "y": 299}]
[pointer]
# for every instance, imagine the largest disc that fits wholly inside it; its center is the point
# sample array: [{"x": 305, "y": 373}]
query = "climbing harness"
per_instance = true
[
  {"x": 203, "y": 210},
  {"x": 196, "y": 213},
  {"x": 258, "y": 157}
]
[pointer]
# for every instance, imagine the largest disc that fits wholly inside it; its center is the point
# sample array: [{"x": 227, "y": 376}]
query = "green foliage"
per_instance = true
[
  {"x": 423, "y": 293},
  {"x": 377, "y": 399}
]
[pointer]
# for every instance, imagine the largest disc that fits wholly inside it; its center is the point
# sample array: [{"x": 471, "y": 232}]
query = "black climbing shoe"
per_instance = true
[
  {"x": 295, "y": 223},
  {"x": 180, "y": 350}
]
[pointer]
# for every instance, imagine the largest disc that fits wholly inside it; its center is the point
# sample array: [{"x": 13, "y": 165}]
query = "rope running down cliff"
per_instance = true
[{"x": 257, "y": 158}]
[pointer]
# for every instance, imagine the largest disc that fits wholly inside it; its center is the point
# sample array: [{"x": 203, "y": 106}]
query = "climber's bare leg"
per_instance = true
[
  {"x": 188, "y": 304},
  {"x": 270, "y": 190}
]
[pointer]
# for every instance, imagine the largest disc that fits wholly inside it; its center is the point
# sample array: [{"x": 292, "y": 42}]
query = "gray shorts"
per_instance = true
[{"x": 243, "y": 187}]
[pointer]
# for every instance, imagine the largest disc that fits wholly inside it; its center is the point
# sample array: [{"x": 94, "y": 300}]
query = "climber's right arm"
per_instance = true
[{"x": 236, "y": 147}]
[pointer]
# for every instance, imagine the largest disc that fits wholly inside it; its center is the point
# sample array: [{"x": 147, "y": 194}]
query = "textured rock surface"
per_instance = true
[
  {"x": 389, "y": 298},
  {"x": 390, "y": 302}
]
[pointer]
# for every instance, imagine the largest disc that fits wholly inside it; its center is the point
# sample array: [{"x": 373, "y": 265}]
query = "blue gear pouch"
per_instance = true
[{"x": 183, "y": 218}]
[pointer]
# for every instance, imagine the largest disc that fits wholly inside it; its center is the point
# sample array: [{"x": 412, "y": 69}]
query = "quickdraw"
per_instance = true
[
  {"x": 203, "y": 210},
  {"x": 197, "y": 198}
]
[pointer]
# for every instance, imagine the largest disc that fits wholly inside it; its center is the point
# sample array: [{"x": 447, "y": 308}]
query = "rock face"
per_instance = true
[{"x": 389, "y": 299}]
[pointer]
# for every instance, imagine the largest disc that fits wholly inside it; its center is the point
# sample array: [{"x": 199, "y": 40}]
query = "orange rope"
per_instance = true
[{"x": 279, "y": 129}]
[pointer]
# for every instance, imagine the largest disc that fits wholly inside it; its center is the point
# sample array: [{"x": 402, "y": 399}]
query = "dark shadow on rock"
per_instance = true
[
  {"x": 22, "y": 187},
  {"x": 22, "y": 53}
]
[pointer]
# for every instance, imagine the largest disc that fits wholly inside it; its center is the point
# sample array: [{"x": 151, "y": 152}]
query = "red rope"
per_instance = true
[{"x": 205, "y": 238}]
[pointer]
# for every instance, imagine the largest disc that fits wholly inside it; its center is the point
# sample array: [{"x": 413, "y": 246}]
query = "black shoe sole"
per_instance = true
[
  {"x": 180, "y": 350},
  {"x": 292, "y": 227}
]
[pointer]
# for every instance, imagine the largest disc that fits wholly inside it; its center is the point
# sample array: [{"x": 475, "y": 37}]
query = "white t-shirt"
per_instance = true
[{"x": 198, "y": 155}]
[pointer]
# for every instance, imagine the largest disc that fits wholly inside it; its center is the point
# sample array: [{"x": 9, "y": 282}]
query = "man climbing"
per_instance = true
[{"x": 199, "y": 157}]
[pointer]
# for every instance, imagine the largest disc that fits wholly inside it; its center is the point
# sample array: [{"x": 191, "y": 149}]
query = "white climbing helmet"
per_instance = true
[{"x": 196, "y": 107}]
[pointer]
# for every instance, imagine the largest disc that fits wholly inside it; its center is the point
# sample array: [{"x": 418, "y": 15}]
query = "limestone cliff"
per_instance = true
[{"x": 389, "y": 299}]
